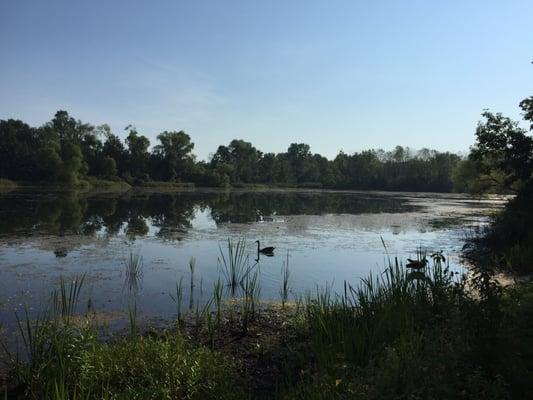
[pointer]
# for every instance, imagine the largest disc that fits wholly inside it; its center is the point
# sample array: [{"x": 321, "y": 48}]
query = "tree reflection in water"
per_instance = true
[{"x": 171, "y": 214}]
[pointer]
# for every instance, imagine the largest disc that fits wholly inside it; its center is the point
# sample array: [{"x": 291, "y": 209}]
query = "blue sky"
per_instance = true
[{"x": 347, "y": 75}]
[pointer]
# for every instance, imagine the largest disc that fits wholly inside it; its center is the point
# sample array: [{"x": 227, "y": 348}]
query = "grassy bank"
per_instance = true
[
  {"x": 399, "y": 335},
  {"x": 106, "y": 184},
  {"x": 164, "y": 186},
  {"x": 6, "y": 185},
  {"x": 506, "y": 245}
]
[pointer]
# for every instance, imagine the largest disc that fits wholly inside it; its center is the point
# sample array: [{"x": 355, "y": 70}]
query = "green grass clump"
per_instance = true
[
  {"x": 152, "y": 368},
  {"x": 506, "y": 244},
  {"x": 395, "y": 337},
  {"x": 6, "y": 185},
  {"x": 63, "y": 358},
  {"x": 234, "y": 263},
  {"x": 160, "y": 185},
  {"x": 134, "y": 266},
  {"x": 68, "y": 362},
  {"x": 115, "y": 184},
  {"x": 145, "y": 368}
]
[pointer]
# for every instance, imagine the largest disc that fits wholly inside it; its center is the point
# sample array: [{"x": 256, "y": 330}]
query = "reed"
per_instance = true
[
  {"x": 234, "y": 263},
  {"x": 178, "y": 298},
  {"x": 35, "y": 344},
  {"x": 250, "y": 299},
  {"x": 365, "y": 319},
  {"x": 65, "y": 299},
  {"x": 63, "y": 360},
  {"x": 47, "y": 339},
  {"x": 284, "y": 290},
  {"x": 218, "y": 292},
  {"x": 134, "y": 266},
  {"x": 132, "y": 315},
  {"x": 192, "y": 267}
]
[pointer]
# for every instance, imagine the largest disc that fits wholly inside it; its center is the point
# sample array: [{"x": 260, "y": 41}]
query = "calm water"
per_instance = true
[{"x": 329, "y": 237}]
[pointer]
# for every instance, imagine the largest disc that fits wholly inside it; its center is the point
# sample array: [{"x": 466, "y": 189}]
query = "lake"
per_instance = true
[{"x": 327, "y": 236}]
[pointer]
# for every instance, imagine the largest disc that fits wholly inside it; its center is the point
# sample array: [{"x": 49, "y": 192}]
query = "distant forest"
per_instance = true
[{"x": 68, "y": 151}]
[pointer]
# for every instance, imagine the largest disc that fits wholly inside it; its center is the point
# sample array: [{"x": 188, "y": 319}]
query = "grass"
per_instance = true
[
  {"x": 178, "y": 298},
  {"x": 389, "y": 337},
  {"x": 393, "y": 337},
  {"x": 160, "y": 185},
  {"x": 133, "y": 265},
  {"x": 6, "y": 185},
  {"x": 234, "y": 263},
  {"x": 66, "y": 298},
  {"x": 505, "y": 245},
  {"x": 250, "y": 299},
  {"x": 108, "y": 184},
  {"x": 284, "y": 290}
]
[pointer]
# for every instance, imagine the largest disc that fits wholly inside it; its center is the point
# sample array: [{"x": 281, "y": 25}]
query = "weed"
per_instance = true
[
  {"x": 285, "y": 274},
  {"x": 178, "y": 298},
  {"x": 234, "y": 265}
]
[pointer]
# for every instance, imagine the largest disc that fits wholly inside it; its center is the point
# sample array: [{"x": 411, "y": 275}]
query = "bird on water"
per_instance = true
[
  {"x": 416, "y": 264},
  {"x": 265, "y": 250}
]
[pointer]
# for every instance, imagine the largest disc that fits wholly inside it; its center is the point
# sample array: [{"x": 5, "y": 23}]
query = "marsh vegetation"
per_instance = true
[
  {"x": 392, "y": 335},
  {"x": 398, "y": 333}
]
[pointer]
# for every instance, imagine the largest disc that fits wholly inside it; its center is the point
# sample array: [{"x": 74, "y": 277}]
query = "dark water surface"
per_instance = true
[{"x": 329, "y": 237}]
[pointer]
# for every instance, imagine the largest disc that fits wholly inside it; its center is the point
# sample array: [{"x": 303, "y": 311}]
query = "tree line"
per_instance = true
[{"x": 66, "y": 150}]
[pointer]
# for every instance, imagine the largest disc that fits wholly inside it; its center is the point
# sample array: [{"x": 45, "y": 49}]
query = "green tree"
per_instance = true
[
  {"x": 503, "y": 152},
  {"x": 239, "y": 160},
  {"x": 72, "y": 163},
  {"x": 173, "y": 156},
  {"x": 108, "y": 167},
  {"x": 19, "y": 144},
  {"x": 299, "y": 156},
  {"x": 138, "y": 153},
  {"x": 114, "y": 148}
]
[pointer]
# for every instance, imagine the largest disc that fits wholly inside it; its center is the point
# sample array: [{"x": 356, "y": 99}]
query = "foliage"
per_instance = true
[
  {"x": 503, "y": 154},
  {"x": 502, "y": 158},
  {"x": 66, "y": 150},
  {"x": 397, "y": 335},
  {"x": 172, "y": 159},
  {"x": 7, "y": 185}
]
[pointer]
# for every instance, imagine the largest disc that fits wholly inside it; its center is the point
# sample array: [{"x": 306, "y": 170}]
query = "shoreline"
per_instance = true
[
  {"x": 293, "y": 349},
  {"x": 175, "y": 187}
]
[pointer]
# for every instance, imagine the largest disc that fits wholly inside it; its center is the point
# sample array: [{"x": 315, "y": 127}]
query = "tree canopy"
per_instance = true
[
  {"x": 68, "y": 150},
  {"x": 501, "y": 160}
]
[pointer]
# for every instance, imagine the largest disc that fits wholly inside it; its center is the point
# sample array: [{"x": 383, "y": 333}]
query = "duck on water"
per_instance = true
[{"x": 268, "y": 251}]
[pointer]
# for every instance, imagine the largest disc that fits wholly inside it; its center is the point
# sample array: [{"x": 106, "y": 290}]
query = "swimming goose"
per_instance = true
[
  {"x": 264, "y": 250},
  {"x": 416, "y": 264}
]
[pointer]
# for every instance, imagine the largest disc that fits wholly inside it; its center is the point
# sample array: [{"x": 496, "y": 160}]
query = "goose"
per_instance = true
[
  {"x": 416, "y": 264},
  {"x": 264, "y": 250},
  {"x": 438, "y": 256}
]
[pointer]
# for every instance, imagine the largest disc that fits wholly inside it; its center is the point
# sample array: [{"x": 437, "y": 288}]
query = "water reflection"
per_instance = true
[
  {"x": 26, "y": 213},
  {"x": 329, "y": 236}
]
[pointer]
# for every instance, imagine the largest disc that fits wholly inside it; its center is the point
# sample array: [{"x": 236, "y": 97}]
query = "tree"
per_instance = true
[
  {"x": 527, "y": 107},
  {"x": 114, "y": 148},
  {"x": 72, "y": 163},
  {"x": 299, "y": 156},
  {"x": 68, "y": 128},
  {"x": 138, "y": 153},
  {"x": 503, "y": 150},
  {"x": 107, "y": 167},
  {"x": 173, "y": 157},
  {"x": 240, "y": 159},
  {"x": 19, "y": 144}
]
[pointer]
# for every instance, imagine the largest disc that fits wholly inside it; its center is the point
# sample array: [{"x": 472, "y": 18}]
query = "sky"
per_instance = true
[{"x": 338, "y": 75}]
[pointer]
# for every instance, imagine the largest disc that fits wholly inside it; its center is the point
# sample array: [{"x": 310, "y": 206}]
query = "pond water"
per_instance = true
[{"x": 327, "y": 236}]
